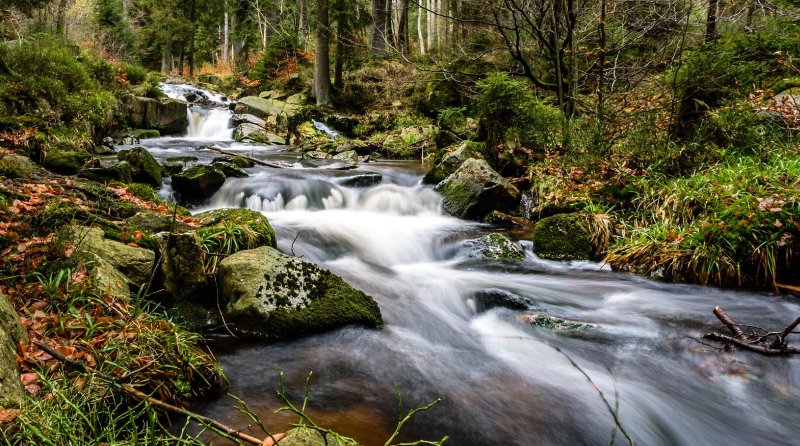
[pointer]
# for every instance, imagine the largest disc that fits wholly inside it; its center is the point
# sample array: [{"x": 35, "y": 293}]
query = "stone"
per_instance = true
[
  {"x": 145, "y": 133},
  {"x": 247, "y": 132},
  {"x": 198, "y": 182},
  {"x": 502, "y": 219},
  {"x": 152, "y": 222},
  {"x": 408, "y": 141},
  {"x": 263, "y": 108},
  {"x": 119, "y": 171},
  {"x": 564, "y": 237},
  {"x": 230, "y": 170},
  {"x": 182, "y": 261},
  {"x": 297, "y": 99},
  {"x": 182, "y": 159},
  {"x": 108, "y": 279},
  {"x": 254, "y": 220},
  {"x": 238, "y": 161},
  {"x": 475, "y": 190},
  {"x": 361, "y": 180},
  {"x": 16, "y": 166},
  {"x": 453, "y": 160},
  {"x": 317, "y": 154},
  {"x": 168, "y": 116},
  {"x": 172, "y": 168},
  {"x": 65, "y": 161},
  {"x": 144, "y": 168},
  {"x": 494, "y": 297},
  {"x": 135, "y": 263},
  {"x": 556, "y": 324},
  {"x": 11, "y": 334},
  {"x": 304, "y": 436},
  {"x": 494, "y": 247},
  {"x": 273, "y": 94},
  {"x": 349, "y": 155},
  {"x": 271, "y": 295},
  {"x": 248, "y": 119}
]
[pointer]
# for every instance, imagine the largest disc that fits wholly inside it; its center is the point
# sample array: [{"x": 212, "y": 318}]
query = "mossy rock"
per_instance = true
[
  {"x": 152, "y": 222},
  {"x": 198, "y": 182},
  {"x": 238, "y": 161},
  {"x": 475, "y": 190},
  {"x": 564, "y": 237},
  {"x": 556, "y": 324},
  {"x": 182, "y": 261},
  {"x": 11, "y": 334},
  {"x": 273, "y": 296},
  {"x": 214, "y": 220},
  {"x": 495, "y": 247},
  {"x": 193, "y": 316},
  {"x": 16, "y": 166},
  {"x": 172, "y": 168},
  {"x": 145, "y": 133},
  {"x": 108, "y": 279},
  {"x": 182, "y": 159},
  {"x": 453, "y": 159},
  {"x": 230, "y": 170},
  {"x": 304, "y": 436},
  {"x": 120, "y": 172},
  {"x": 135, "y": 263},
  {"x": 65, "y": 162},
  {"x": 145, "y": 169}
]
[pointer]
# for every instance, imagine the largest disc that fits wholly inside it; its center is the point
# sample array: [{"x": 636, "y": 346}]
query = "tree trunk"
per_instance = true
[
  {"x": 302, "y": 26},
  {"x": 338, "y": 70},
  {"x": 192, "y": 39},
  {"x": 389, "y": 24},
  {"x": 751, "y": 10},
  {"x": 322, "y": 74},
  {"x": 225, "y": 31},
  {"x": 711, "y": 21},
  {"x": 378, "y": 45},
  {"x": 601, "y": 73},
  {"x": 431, "y": 17},
  {"x": 420, "y": 35},
  {"x": 402, "y": 27},
  {"x": 61, "y": 28}
]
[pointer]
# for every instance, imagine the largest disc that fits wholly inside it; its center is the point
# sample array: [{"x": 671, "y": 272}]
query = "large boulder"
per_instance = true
[
  {"x": 15, "y": 166},
  {"x": 247, "y": 132},
  {"x": 182, "y": 265},
  {"x": 11, "y": 334},
  {"x": 230, "y": 170},
  {"x": 245, "y": 118},
  {"x": 198, "y": 182},
  {"x": 405, "y": 144},
  {"x": 494, "y": 247},
  {"x": 264, "y": 108},
  {"x": 135, "y": 263},
  {"x": 255, "y": 221},
  {"x": 453, "y": 160},
  {"x": 109, "y": 280},
  {"x": 564, "y": 237},
  {"x": 144, "y": 168},
  {"x": 120, "y": 171},
  {"x": 475, "y": 190},
  {"x": 66, "y": 161},
  {"x": 271, "y": 295},
  {"x": 168, "y": 116}
]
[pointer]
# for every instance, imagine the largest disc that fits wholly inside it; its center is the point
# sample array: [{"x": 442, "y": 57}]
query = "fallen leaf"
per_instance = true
[{"x": 8, "y": 415}]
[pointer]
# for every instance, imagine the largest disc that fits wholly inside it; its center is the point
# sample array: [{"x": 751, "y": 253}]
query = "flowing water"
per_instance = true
[{"x": 501, "y": 380}]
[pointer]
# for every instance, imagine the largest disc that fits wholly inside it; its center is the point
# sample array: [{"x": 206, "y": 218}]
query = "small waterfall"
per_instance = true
[
  {"x": 322, "y": 127},
  {"x": 210, "y": 124}
]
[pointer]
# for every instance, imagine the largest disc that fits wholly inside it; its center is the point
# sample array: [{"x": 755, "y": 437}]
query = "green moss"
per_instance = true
[
  {"x": 215, "y": 220},
  {"x": 563, "y": 237},
  {"x": 15, "y": 166},
  {"x": 145, "y": 168},
  {"x": 145, "y": 133},
  {"x": 66, "y": 162}
]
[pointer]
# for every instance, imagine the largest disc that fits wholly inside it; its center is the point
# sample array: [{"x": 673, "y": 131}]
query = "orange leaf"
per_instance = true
[{"x": 8, "y": 415}]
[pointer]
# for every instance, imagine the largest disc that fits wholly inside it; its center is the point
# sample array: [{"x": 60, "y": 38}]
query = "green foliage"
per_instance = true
[
  {"x": 149, "y": 86},
  {"x": 743, "y": 129},
  {"x": 281, "y": 46}
]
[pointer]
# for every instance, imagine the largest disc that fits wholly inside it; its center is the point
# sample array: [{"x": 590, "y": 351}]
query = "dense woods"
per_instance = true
[{"x": 659, "y": 137}]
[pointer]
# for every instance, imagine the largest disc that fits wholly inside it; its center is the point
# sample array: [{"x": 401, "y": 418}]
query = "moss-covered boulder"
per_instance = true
[
  {"x": 16, "y": 166},
  {"x": 494, "y": 247},
  {"x": 304, "y": 436},
  {"x": 407, "y": 142},
  {"x": 271, "y": 295},
  {"x": 135, "y": 263},
  {"x": 168, "y": 116},
  {"x": 65, "y": 161},
  {"x": 216, "y": 220},
  {"x": 182, "y": 261},
  {"x": 556, "y": 324},
  {"x": 475, "y": 190},
  {"x": 120, "y": 171},
  {"x": 152, "y": 222},
  {"x": 11, "y": 334},
  {"x": 198, "y": 182},
  {"x": 263, "y": 108},
  {"x": 238, "y": 161},
  {"x": 145, "y": 133},
  {"x": 564, "y": 237},
  {"x": 144, "y": 168},
  {"x": 230, "y": 170},
  {"x": 108, "y": 279},
  {"x": 452, "y": 160},
  {"x": 495, "y": 297}
]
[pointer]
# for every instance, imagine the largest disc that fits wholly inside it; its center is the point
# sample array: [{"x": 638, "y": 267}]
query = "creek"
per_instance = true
[{"x": 501, "y": 379}]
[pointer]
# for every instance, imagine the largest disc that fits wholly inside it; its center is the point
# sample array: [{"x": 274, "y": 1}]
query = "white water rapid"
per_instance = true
[
  {"x": 209, "y": 113},
  {"x": 501, "y": 379}
]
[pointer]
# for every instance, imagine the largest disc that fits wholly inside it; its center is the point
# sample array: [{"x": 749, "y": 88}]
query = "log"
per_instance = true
[
  {"x": 753, "y": 348},
  {"x": 725, "y": 319},
  {"x": 132, "y": 391}
]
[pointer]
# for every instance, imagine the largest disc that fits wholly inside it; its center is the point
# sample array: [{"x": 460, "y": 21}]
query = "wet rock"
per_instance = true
[
  {"x": 198, "y": 182},
  {"x": 564, "y": 237},
  {"x": 230, "y": 170},
  {"x": 172, "y": 168},
  {"x": 453, "y": 160},
  {"x": 475, "y": 190},
  {"x": 182, "y": 159},
  {"x": 135, "y": 263},
  {"x": 145, "y": 134},
  {"x": 144, "y": 168},
  {"x": 274, "y": 296},
  {"x": 11, "y": 334},
  {"x": 238, "y": 161},
  {"x": 120, "y": 171},
  {"x": 182, "y": 265},
  {"x": 237, "y": 120},
  {"x": 494, "y": 247},
  {"x": 193, "y": 316},
  {"x": 564, "y": 326},
  {"x": 169, "y": 116},
  {"x": 493, "y": 298},
  {"x": 349, "y": 155},
  {"x": 16, "y": 166},
  {"x": 317, "y": 154},
  {"x": 362, "y": 180},
  {"x": 502, "y": 219}
]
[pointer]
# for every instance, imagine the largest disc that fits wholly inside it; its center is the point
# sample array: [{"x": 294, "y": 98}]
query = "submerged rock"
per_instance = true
[
  {"x": 362, "y": 180},
  {"x": 198, "y": 182},
  {"x": 475, "y": 189},
  {"x": 495, "y": 297},
  {"x": 275, "y": 296},
  {"x": 557, "y": 324},
  {"x": 11, "y": 334},
  {"x": 564, "y": 237},
  {"x": 494, "y": 247},
  {"x": 144, "y": 168}
]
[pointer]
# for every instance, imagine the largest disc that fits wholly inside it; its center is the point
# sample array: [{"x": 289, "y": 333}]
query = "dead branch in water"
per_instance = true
[
  {"x": 757, "y": 340},
  {"x": 338, "y": 166}
]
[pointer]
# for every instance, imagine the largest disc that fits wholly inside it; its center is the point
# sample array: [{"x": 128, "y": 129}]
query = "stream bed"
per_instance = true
[{"x": 501, "y": 379}]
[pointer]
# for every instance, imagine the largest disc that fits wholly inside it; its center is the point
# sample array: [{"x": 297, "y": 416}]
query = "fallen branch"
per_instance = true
[
  {"x": 132, "y": 391},
  {"x": 754, "y": 342}
]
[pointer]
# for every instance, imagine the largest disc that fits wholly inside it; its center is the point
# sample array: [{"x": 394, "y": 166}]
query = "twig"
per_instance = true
[
  {"x": 725, "y": 319},
  {"x": 130, "y": 390},
  {"x": 754, "y": 348}
]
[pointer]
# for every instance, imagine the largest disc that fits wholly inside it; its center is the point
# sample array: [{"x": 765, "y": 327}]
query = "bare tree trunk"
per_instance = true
[
  {"x": 420, "y": 36},
  {"x": 601, "y": 73},
  {"x": 711, "y": 21},
  {"x": 302, "y": 26},
  {"x": 225, "y": 30},
  {"x": 751, "y": 10},
  {"x": 402, "y": 27},
  {"x": 322, "y": 74},
  {"x": 378, "y": 44},
  {"x": 431, "y": 17},
  {"x": 391, "y": 38},
  {"x": 338, "y": 70},
  {"x": 61, "y": 28},
  {"x": 193, "y": 20}
]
